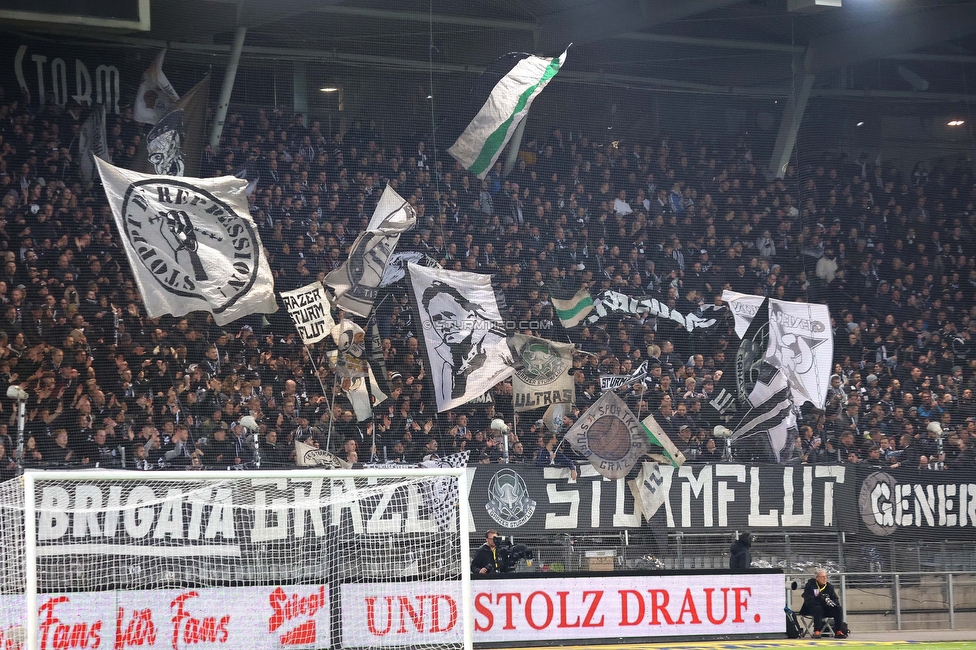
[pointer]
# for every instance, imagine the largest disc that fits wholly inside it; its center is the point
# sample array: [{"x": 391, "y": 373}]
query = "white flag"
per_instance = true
[
  {"x": 801, "y": 342},
  {"x": 156, "y": 95},
  {"x": 92, "y": 142},
  {"x": 308, "y": 456},
  {"x": 542, "y": 377},
  {"x": 191, "y": 244},
  {"x": 357, "y": 281},
  {"x": 801, "y": 345},
  {"x": 743, "y": 307},
  {"x": 650, "y": 489},
  {"x": 350, "y": 339},
  {"x": 311, "y": 312},
  {"x": 463, "y": 333}
]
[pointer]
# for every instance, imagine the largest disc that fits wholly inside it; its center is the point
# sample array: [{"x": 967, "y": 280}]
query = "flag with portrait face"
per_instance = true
[{"x": 463, "y": 333}]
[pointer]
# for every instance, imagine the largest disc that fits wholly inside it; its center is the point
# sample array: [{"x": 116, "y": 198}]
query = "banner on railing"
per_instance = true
[{"x": 703, "y": 498}]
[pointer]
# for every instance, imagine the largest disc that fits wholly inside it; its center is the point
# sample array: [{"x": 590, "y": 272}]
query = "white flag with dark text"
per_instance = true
[
  {"x": 311, "y": 312},
  {"x": 191, "y": 244}
]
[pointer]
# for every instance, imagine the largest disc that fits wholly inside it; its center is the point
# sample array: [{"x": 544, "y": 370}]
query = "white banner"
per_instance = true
[
  {"x": 191, "y": 244},
  {"x": 552, "y": 609},
  {"x": 542, "y": 377},
  {"x": 358, "y": 280},
  {"x": 156, "y": 95},
  {"x": 463, "y": 333},
  {"x": 614, "y": 302},
  {"x": 311, "y": 312},
  {"x": 256, "y": 618}
]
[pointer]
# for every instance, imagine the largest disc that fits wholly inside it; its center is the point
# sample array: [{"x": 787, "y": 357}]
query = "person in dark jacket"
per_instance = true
[
  {"x": 486, "y": 557},
  {"x": 740, "y": 557},
  {"x": 820, "y": 601}
]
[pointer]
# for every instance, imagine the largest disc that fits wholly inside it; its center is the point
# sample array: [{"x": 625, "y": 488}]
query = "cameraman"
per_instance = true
[
  {"x": 821, "y": 601},
  {"x": 486, "y": 557}
]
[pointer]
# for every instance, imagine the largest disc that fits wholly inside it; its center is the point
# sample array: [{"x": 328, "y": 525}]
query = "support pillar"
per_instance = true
[
  {"x": 789, "y": 126},
  {"x": 228, "y": 87},
  {"x": 299, "y": 84}
]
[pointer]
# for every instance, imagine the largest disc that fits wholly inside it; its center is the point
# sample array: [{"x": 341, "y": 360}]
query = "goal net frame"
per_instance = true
[{"x": 31, "y": 478}]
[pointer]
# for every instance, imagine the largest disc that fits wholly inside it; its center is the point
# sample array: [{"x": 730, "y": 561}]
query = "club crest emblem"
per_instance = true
[{"x": 542, "y": 363}]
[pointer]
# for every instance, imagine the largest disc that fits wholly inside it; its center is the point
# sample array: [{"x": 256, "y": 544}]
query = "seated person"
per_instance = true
[{"x": 820, "y": 601}]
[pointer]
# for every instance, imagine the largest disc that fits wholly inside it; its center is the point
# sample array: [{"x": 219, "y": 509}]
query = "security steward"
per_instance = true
[{"x": 486, "y": 557}]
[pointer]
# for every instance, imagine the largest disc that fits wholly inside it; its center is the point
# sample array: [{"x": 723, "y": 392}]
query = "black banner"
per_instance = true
[
  {"x": 909, "y": 504},
  {"x": 530, "y": 500}
]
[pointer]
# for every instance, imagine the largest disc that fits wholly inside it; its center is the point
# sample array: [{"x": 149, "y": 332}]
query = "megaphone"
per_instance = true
[{"x": 499, "y": 425}]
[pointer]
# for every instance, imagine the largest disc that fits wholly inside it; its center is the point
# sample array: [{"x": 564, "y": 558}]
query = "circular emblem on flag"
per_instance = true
[
  {"x": 609, "y": 438},
  {"x": 543, "y": 364},
  {"x": 877, "y": 503},
  {"x": 192, "y": 244}
]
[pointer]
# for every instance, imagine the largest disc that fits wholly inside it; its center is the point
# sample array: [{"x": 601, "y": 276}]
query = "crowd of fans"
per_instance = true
[{"x": 678, "y": 218}]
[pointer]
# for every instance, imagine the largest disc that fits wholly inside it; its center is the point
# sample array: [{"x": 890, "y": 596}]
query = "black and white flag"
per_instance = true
[
  {"x": 191, "y": 244},
  {"x": 311, "y": 312},
  {"x": 92, "y": 142},
  {"x": 542, "y": 372},
  {"x": 357, "y": 281},
  {"x": 396, "y": 270},
  {"x": 463, "y": 333},
  {"x": 801, "y": 341}
]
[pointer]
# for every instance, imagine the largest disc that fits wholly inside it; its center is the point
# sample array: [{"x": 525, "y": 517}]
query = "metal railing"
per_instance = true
[{"x": 932, "y": 598}]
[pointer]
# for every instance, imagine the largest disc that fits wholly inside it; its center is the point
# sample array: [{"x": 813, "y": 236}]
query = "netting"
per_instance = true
[
  {"x": 676, "y": 154},
  {"x": 262, "y": 561}
]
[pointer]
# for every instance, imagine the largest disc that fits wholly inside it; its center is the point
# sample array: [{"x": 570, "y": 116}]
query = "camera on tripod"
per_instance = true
[{"x": 509, "y": 553}]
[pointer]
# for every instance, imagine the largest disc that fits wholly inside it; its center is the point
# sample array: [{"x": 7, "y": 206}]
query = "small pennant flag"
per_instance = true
[
  {"x": 656, "y": 436},
  {"x": 572, "y": 312}
]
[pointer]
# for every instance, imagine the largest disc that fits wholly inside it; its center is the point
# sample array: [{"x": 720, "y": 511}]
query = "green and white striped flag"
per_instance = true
[
  {"x": 572, "y": 312},
  {"x": 497, "y": 109},
  {"x": 656, "y": 436}
]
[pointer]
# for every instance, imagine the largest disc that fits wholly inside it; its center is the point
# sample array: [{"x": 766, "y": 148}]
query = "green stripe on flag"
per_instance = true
[
  {"x": 569, "y": 312},
  {"x": 654, "y": 441},
  {"x": 496, "y": 140}
]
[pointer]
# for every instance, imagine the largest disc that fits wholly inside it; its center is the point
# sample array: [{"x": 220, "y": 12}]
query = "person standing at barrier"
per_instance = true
[
  {"x": 820, "y": 601},
  {"x": 486, "y": 557},
  {"x": 740, "y": 553}
]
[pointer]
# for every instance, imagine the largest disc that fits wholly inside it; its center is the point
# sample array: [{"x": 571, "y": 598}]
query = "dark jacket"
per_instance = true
[
  {"x": 741, "y": 555},
  {"x": 813, "y": 595},
  {"x": 483, "y": 557}
]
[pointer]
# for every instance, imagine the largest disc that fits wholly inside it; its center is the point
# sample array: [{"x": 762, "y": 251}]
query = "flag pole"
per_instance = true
[{"x": 328, "y": 439}]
